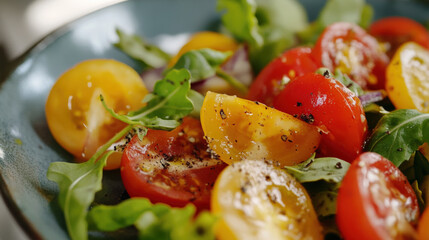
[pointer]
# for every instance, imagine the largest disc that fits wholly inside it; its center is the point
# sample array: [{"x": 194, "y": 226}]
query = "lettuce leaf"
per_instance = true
[{"x": 154, "y": 221}]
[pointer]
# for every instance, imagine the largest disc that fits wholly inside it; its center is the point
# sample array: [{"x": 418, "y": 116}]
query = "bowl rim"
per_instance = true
[{"x": 25, "y": 225}]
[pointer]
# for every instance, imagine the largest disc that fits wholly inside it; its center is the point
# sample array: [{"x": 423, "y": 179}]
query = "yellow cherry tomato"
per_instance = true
[
  {"x": 255, "y": 200},
  {"x": 74, "y": 113},
  {"x": 238, "y": 129},
  {"x": 407, "y": 75},
  {"x": 206, "y": 39}
]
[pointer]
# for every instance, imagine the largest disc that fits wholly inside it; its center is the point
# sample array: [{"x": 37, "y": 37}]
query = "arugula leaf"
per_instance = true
[
  {"x": 202, "y": 63},
  {"x": 166, "y": 105},
  {"x": 315, "y": 169},
  {"x": 197, "y": 100},
  {"x": 137, "y": 48},
  {"x": 398, "y": 135},
  {"x": 154, "y": 221},
  {"x": 321, "y": 177},
  {"x": 78, "y": 183},
  {"x": 240, "y": 20},
  {"x": 373, "y": 114},
  {"x": 419, "y": 195}
]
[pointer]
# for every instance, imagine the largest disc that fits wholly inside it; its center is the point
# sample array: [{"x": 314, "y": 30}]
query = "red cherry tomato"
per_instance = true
[
  {"x": 293, "y": 63},
  {"x": 375, "y": 201},
  {"x": 348, "y": 47},
  {"x": 327, "y": 103},
  {"x": 398, "y": 30},
  {"x": 171, "y": 167}
]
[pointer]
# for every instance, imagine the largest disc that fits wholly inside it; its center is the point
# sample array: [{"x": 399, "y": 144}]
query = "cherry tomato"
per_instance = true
[
  {"x": 171, "y": 167},
  {"x": 408, "y": 78},
  {"x": 74, "y": 113},
  {"x": 375, "y": 201},
  {"x": 237, "y": 129},
  {"x": 348, "y": 47},
  {"x": 255, "y": 200},
  {"x": 270, "y": 81},
  {"x": 398, "y": 30},
  {"x": 326, "y": 103},
  {"x": 423, "y": 229}
]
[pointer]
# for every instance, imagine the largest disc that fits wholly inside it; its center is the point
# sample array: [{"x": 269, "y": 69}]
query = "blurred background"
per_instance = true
[{"x": 22, "y": 24}]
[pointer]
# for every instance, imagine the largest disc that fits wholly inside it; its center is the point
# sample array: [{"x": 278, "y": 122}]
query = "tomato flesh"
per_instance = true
[
  {"x": 398, "y": 30},
  {"x": 171, "y": 167},
  {"x": 326, "y": 103},
  {"x": 255, "y": 200},
  {"x": 375, "y": 201},
  {"x": 270, "y": 81},
  {"x": 347, "y": 47}
]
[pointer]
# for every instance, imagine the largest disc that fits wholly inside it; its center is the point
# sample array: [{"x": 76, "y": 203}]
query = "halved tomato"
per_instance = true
[
  {"x": 271, "y": 80},
  {"x": 408, "y": 78},
  {"x": 324, "y": 102},
  {"x": 349, "y": 48},
  {"x": 256, "y": 200},
  {"x": 238, "y": 129},
  {"x": 75, "y": 115},
  {"x": 376, "y": 201},
  {"x": 171, "y": 167}
]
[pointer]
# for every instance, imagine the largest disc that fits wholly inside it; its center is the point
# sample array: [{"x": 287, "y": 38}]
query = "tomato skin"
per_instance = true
[
  {"x": 370, "y": 188},
  {"x": 292, "y": 63},
  {"x": 423, "y": 229},
  {"x": 348, "y": 47},
  {"x": 326, "y": 103},
  {"x": 171, "y": 167},
  {"x": 398, "y": 30}
]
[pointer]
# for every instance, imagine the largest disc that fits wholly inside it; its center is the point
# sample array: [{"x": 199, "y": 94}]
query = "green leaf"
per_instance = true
[
  {"x": 139, "y": 49},
  {"x": 125, "y": 214},
  {"x": 398, "y": 135},
  {"x": 314, "y": 169},
  {"x": 419, "y": 194},
  {"x": 154, "y": 221},
  {"x": 165, "y": 106},
  {"x": 197, "y": 100},
  {"x": 353, "y": 11},
  {"x": 344, "y": 79},
  {"x": 341, "y": 11},
  {"x": 366, "y": 17},
  {"x": 321, "y": 177},
  {"x": 202, "y": 63},
  {"x": 323, "y": 196},
  {"x": 373, "y": 114},
  {"x": 78, "y": 183},
  {"x": 239, "y": 18}
]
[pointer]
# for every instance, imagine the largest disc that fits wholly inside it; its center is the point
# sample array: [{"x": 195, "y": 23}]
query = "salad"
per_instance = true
[{"x": 268, "y": 128}]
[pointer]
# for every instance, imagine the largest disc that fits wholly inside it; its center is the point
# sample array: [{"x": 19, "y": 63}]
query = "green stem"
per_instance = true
[
  {"x": 114, "y": 139},
  {"x": 231, "y": 81}
]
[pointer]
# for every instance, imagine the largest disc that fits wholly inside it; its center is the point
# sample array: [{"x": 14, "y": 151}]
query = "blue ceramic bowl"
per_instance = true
[{"x": 26, "y": 145}]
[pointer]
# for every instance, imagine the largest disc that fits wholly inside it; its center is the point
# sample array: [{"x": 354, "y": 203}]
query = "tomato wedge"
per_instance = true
[
  {"x": 423, "y": 229},
  {"x": 270, "y": 81},
  {"x": 408, "y": 78},
  {"x": 398, "y": 30},
  {"x": 375, "y": 201},
  {"x": 348, "y": 47},
  {"x": 171, "y": 167},
  {"x": 256, "y": 200},
  {"x": 324, "y": 102}
]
